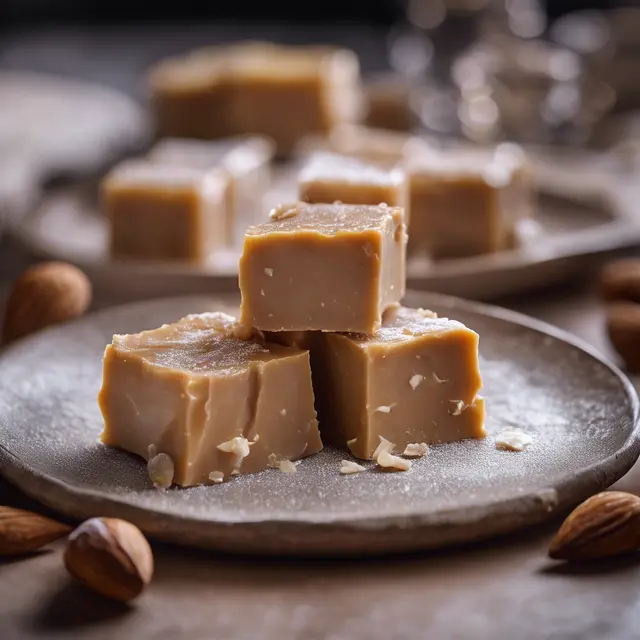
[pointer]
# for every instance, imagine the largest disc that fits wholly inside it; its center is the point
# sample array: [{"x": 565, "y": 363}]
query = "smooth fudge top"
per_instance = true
[
  {"x": 142, "y": 173},
  {"x": 333, "y": 167},
  {"x": 401, "y": 324},
  {"x": 206, "y": 343},
  {"x": 327, "y": 219}
]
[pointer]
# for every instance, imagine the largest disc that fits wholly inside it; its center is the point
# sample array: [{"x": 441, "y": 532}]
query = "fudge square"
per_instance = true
[
  {"x": 415, "y": 380},
  {"x": 215, "y": 399},
  {"x": 246, "y": 159},
  {"x": 164, "y": 212},
  {"x": 329, "y": 177},
  {"x": 466, "y": 203},
  {"x": 327, "y": 267}
]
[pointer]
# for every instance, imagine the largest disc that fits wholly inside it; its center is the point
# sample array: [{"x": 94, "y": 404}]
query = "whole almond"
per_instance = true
[
  {"x": 110, "y": 556},
  {"x": 45, "y": 294},
  {"x": 23, "y": 532},
  {"x": 623, "y": 328},
  {"x": 620, "y": 280},
  {"x": 607, "y": 524}
]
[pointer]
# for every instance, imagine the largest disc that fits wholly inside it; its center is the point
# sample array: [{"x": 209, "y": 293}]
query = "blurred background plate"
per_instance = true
[{"x": 581, "y": 221}]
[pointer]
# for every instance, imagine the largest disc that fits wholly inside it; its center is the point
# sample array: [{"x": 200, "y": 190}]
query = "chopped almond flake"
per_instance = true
[
  {"x": 458, "y": 408},
  {"x": 416, "y": 450},
  {"x": 268, "y": 271},
  {"x": 383, "y": 409},
  {"x": 282, "y": 213},
  {"x": 427, "y": 313},
  {"x": 384, "y": 445},
  {"x": 348, "y": 467},
  {"x": 389, "y": 461},
  {"x": 151, "y": 451},
  {"x": 283, "y": 412},
  {"x": 161, "y": 470},
  {"x": 513, "y": 439},
  {"x": 286, "y": 466},
  {"x": 272, "y": 461},
  {"x": 262, "y": 292},
  {"x": 415, "y": 381},
  {"x": 216, "y": 476},
  {"x": 238, "y": 446},
  {"x": 439, "y": 380}
]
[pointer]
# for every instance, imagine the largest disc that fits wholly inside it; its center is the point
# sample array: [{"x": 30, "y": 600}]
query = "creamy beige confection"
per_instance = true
[
  {"x": 329, "y": 177},
  {"x": 212, "y": 398},
  {"x": 165, "y": 212},
  {"x": 327, "y": 267},
  {"x": 416, "y": 379},
  {"x": 388, "y": 103},
  {"x": 246, "y": 159},
  {"x": 465, "y": 203},
  {"x": 247, "y": 87}
]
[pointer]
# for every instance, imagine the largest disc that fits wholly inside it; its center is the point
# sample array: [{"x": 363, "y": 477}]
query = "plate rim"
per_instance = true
[{"x": 409, "y": 531}]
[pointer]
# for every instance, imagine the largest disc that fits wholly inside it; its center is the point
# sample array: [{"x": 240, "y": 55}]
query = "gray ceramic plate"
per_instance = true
[{"x": 581, "y": 411}]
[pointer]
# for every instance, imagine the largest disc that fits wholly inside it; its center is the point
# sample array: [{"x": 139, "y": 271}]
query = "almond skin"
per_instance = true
[
  {"x": 607, "y": 524},
  {"x": 23, "y": 532},
  {"x": 110, "y": 556},
  {"x": 45, "y": 294},
  {"x": 623, "y": 328}
]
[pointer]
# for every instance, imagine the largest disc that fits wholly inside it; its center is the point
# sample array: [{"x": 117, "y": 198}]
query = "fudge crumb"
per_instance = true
[
  {"x": 416, "y": 450},
  {"x": 216, "y": 476},
  {"x": 286, "y": 466},
  {"x": 161, "y": 470},
  {"x": 152, "y": 452},
  {"x": 513, "y": 439},
  {"x": 383, "y": 409},
  {"x": 439, "y": 380},
  {"x": 427, "y": 313},
  {"x": 235, "y": 472},
  {"x": 238, "y": 446},
  {"x": 384, "y": 445},
  {"x": 459, "y": 407},
  {"x": 348, "y": 467},
  {"x": 351, "y": 443},
  {"x": 282, "y": 213},
  {"x": 388, "y": 461},
  {"x": 268, "y": 271},
  {"x": 415, "y": 381}
]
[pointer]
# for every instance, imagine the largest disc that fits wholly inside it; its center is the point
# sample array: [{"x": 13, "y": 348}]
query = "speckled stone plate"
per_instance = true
[{"x": 581, "y": 411}]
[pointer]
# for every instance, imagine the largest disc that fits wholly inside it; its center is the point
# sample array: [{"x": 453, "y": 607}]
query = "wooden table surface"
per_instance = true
[{"x": 505, "y": 588}]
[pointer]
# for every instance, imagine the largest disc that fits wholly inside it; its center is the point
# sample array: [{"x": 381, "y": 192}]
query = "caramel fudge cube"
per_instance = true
[
  {"x": 164, "y": 212},
  {"x": 246, "y": 159},
  {"x": 215, "y": 399},
  {"x": 331, "y": 177},
  {"x": 464, "y": 204},
  {"x": 416, "y": 379},
  {"x": 323, "y": 267}
]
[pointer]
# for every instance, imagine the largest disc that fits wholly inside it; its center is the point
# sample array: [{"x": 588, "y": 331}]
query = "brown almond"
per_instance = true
[
  {"x": 110, "y": 556},
  {"x": 23, "y": 532},
  {"x": 607, "y": 524},
  {"x": 623, "y": 328},
  {"x": 45, "y": 294},
  {"x": 620, "y": 280}
]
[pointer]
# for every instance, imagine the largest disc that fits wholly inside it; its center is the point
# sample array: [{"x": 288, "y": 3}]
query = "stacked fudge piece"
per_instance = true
[
  {"x": 247, "y": 87},
  {"x": 185, "y": 198},
  {"x": 321, "y": 329}
]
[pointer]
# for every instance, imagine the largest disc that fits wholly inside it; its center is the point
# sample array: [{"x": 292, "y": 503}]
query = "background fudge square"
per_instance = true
[
  {"x": 328, "y": 177},
  {"x": 214, "y": 398},
  {"x": 164, "y": 212},
  {"x": 415, "y": 380},
  {"x": 466, "y": 203},
  {"x": 323, "y": 267}
]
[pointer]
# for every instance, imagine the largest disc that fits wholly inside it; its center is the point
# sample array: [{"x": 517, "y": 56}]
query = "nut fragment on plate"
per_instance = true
[
  {"x": 44, "y": 295},
  {"x": 388, "y": 461},
  {"x": 23, "y": 532},
  {"x": 513, "y": 439},
  {"x": 623, "y": 328},
  {"x": 620, "y": 280},
  {"x": 161, "y": 470},
  {"x": 384, "y": 445},
  {"x": 348, "y": 467},
  {"x": 607, "y": 524},
  {"x": 110, "y": 556},
  {"x": 216, "y": 477},
  {"x": 287, "y": 466},
  {"x": 416, "y": 450}
]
